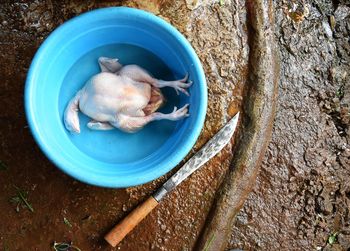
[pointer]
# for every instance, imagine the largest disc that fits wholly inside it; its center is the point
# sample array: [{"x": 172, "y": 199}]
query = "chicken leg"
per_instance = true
[
  {"x": 138, "y": 74},
  {"x": 132, "y": 124}
]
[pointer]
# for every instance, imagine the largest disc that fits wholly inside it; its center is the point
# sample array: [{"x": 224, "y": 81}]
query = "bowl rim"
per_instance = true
[{"x": 92, "y": 179}]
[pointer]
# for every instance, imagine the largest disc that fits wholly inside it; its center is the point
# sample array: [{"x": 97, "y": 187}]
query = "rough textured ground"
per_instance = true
[{"x": 302, "y": 195}]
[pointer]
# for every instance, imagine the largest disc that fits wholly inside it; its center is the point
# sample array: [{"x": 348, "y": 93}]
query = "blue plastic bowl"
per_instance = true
[{"x": 68, "y": 58}]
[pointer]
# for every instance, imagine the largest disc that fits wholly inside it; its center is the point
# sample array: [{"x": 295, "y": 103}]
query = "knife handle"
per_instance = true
[{"x": 124, "y": 227}]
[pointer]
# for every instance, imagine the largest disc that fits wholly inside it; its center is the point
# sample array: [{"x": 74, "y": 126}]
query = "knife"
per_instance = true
[{"x": 209, "y": 150}]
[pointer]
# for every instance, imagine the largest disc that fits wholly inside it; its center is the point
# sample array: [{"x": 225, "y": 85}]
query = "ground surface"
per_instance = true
[{"x": 302, "y": 195}]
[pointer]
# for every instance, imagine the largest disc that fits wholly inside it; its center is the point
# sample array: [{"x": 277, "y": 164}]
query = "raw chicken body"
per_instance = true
[{"x": 123, "y": 97}]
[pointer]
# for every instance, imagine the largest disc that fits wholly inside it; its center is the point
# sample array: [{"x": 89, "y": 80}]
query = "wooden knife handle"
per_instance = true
[{"x": 118, "y": 233}]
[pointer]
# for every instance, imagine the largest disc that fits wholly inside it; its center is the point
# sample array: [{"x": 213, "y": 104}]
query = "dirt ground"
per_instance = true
[{"x": 301, "y": 199}]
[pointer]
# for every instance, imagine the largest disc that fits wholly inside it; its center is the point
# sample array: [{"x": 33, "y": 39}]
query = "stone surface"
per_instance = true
[{"x": 302, "y": 194}]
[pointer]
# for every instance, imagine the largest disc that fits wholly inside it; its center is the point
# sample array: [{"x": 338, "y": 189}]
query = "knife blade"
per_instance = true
[{"x": 209, "y": 150}]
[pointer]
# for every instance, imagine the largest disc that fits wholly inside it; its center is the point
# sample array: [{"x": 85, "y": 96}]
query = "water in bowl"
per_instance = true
[{"x": 116, "y": 146}]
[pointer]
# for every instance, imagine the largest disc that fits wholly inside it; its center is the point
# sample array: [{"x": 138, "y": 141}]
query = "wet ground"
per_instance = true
[{"x": 301, "y": 200}]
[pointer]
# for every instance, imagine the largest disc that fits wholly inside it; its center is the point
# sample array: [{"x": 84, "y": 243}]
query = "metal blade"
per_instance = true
[{"x": 209, "y": 150}]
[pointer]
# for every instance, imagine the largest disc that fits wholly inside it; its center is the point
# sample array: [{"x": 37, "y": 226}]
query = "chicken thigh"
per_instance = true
[{"x": 123, "y": 97}]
